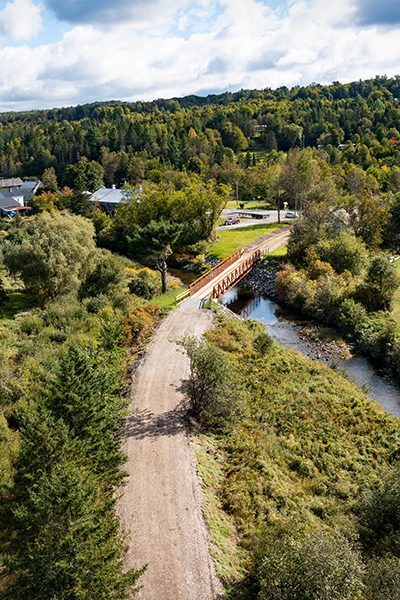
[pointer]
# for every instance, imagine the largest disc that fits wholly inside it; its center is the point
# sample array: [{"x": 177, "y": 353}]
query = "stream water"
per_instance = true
[{"x": 284, "y": 328}]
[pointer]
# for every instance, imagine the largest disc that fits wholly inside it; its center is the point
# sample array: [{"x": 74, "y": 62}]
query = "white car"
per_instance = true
[{"x": 291, "y": 215}]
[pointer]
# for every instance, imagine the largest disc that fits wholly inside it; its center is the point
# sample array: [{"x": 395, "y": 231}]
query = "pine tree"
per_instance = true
[
  {"x": 86, "y": 394},
  {"x": 66, "y": 541},
  {"x": 60, "y": 536}
]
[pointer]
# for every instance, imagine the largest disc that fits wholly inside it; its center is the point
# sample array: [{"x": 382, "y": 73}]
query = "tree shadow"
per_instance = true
[{"x": 143, "y": 423}]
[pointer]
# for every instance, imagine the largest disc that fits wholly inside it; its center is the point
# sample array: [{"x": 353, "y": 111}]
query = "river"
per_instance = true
[{"x": 284, "y": 328}]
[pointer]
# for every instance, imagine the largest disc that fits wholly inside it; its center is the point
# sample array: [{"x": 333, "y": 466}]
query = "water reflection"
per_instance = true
[{"x": 249, "y": 305}]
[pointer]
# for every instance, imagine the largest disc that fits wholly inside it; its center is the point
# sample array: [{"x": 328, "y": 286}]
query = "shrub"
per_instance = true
[
  {"x": 140, "y": 323},
  {"x": 383, "y": 579},
  {"x": 351, "y": 318},
  {"x": 381, "y": 509},
  {"x": 345, "y": 253},
  {"x": 212, "y": 390},
  {"x": 263, "y": 343},
  {"x": 377, "y": 337},
  {"x": 381, "y": 282},
  {"x": 315, "y": 565},
  {"x": 108, "y": 274},
  {"x": 97, "y": 303},
  {"x": 145, "y": 284}
]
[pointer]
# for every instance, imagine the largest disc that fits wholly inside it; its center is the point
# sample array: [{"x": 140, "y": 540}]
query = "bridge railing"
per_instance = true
[
  {"x": 212, "y": 273},
  {"x": 237, "y": 274},
  {"x": 182, "y": 296}
]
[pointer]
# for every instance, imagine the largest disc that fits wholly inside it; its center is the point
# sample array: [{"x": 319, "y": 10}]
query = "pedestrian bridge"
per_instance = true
[{"x": 229, "y": 272}]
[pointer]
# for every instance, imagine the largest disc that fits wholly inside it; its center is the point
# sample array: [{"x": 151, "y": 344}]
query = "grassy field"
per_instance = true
[
  {"x": 281, "y": 251},
  {"x": 307, "y": 446},
  {"x": 396, "y": 307},
  {"x": 167, "y": 301},
  {"x": 251, "y": 204},
  {"x": 230, "y": 240}
]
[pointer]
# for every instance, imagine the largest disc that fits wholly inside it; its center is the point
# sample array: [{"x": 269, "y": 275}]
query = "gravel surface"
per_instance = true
[{"x": 160, "y": 509}]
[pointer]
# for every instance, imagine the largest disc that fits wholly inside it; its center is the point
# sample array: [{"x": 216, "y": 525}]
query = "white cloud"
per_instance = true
[
  {"x": 21, "y": 20},
  {"x": 246, "y": 44}
]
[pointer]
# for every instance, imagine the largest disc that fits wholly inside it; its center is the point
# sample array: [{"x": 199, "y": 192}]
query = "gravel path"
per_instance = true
[{"x": 160, "y": 509}]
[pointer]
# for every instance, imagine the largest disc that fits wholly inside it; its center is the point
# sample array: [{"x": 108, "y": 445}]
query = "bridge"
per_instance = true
[{"x": 229, "y": 272}]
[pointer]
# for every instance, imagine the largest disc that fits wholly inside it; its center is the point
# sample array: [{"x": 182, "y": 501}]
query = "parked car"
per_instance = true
[
  {"x": 232, "y": 221},
  {"x": 291, "y": 215}
]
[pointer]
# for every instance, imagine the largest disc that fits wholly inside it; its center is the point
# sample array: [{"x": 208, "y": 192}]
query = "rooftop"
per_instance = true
[
  {"x": 12, "y": 182},
  {"x": 109, "y": 196}
]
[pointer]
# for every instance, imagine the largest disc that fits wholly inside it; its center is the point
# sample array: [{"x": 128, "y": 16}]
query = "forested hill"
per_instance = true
[{"x": 197, "y": 132}]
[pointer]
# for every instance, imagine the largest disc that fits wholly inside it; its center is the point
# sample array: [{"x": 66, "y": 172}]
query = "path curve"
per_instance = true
[{"x": 160, "y": 509}]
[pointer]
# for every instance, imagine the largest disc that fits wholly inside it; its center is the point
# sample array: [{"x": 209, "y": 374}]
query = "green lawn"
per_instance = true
[
  {"x": 232, "y": 239},
  {"x": 396, "y": 307},
  {"x": 281, "y": 251},
  {"x": 250, "y": 204},
  {"x": 167, "y": 301}
]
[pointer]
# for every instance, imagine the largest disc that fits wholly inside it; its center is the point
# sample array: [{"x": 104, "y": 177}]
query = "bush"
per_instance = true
[
  {"x": 381, "y": 509},
  {"x": 108, "y": 274},
  {"x": 97, "y": 303},
  {"x": 212, "y": 390},
  {"x": 351, "y": 318},
  {"x": 380, "y": 285},
  {"x": 315, "y": 565},
  {"x": 377, "y": 338},
  {"x": 383, "y": 579},
  {"x": 145, "y": 284},
  {"x": 263, "y": 343},
  {"x": 345, "y": 253}
]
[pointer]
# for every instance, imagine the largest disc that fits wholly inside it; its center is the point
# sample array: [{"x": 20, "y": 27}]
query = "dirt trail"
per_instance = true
[
  {"x": 160, "y": 509},
  {"x": 161, "y": 505}
]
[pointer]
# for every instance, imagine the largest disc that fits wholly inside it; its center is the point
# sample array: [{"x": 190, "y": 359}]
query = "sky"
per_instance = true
[{"x": 68, "y": 52}]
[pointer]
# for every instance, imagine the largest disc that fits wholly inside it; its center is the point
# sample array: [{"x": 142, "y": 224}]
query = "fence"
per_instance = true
[
  {"x": 212, "y": 273},
  {"x": 234, "y": 276}
]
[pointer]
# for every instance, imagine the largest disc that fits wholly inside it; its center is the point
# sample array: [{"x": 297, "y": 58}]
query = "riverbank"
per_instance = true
[
  {"x": 306, "y": 447},
  {"x": 317, "y": 342}
]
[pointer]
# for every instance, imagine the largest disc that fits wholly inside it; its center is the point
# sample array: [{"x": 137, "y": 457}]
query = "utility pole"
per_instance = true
[
  {"x": 237, "y": 194},
  {"x": 278, "y": 202}
]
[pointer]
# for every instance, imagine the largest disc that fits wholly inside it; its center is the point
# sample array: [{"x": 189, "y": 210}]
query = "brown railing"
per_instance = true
[
  {"x": 212, "y": 273},
  {"x": 234, "y": 276}
]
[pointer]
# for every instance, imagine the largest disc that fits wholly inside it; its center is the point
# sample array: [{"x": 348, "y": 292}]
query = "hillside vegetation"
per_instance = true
[
  {"x": 293, "y": 477},
  {"x": 70, "y": 327}
]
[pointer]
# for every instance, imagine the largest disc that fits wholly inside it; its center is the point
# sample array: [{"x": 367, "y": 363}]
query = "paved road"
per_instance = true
[
  {"x": 160, "y": 508},
  {"x": 270, "y": 216}
]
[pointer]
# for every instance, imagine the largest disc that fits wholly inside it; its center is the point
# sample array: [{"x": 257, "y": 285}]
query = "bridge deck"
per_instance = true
[{"x": 269, "y": 244}]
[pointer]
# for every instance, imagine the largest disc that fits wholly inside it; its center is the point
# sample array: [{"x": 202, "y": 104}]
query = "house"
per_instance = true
[
  {"x": 9, "y": 207},
  {"x": 29, "y": 188},
  {"x": 21, "y": 191},
  {"x": 110, "y": 198}
]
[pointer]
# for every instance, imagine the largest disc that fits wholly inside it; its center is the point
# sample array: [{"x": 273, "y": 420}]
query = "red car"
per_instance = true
[{"x": 232, "y": 221}]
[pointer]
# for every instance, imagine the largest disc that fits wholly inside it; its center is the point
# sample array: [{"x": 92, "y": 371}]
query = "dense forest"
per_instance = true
[{"x": 199, "y": 133}]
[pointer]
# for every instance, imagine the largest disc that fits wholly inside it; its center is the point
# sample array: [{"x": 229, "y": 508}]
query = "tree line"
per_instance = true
[{"x": 197, "y": 133}]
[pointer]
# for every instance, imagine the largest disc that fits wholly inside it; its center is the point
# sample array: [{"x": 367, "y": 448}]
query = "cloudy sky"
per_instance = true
[{"x": 65, "y": 52}]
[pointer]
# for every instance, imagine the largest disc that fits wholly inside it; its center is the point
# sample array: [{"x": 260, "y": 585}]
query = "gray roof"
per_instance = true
[
  {"x": 8, "y": 202},
  {"x": 7, "y": 193},
  {"x": 11, "y": 182},
  {"x": 30, "y": 186},
  {"x": 108, "y": 196}
]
